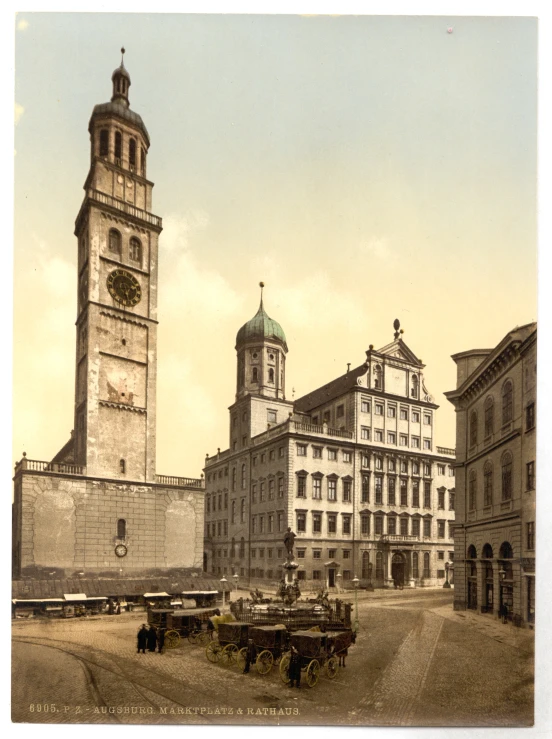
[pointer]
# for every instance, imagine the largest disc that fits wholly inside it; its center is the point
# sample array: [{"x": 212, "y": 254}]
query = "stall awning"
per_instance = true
[
  {"x": 156, "y": 595},
  {"x": 74, "y": 596}
]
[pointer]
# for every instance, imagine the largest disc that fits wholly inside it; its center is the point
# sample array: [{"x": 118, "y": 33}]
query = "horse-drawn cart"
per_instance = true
[
  {"x": 316, "y": 656},
  {"x": 270, "y": 643},
  {"x": 232, "y": 637},
  {"x": 177, "y": 625}
]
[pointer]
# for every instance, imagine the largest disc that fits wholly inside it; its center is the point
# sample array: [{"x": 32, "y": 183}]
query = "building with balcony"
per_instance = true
[
  {"x": 99, "y": 507},
  {"x": 495, "y": 402},
  {"x": 352, "y": 467}
]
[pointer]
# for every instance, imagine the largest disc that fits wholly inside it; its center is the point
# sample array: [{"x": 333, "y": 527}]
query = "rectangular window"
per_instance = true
[
  {"x": 441, "y": 529},
  {"x": 451, "y": 501},
  {"x": 346, "y": 575},
  {"x": 316, "y": 575},
  {"x": 415, "y": 527},
  {"x": 427, "y": 527},
  {"x": 392, "y": 525},
  {"x": 280, "y": 487},
  {"x": 415, "y": 468},
  {"x": 451, "y": 529},
  {"x": 391, "y": 485},
  {"x": 441, "y": 498},
  {"x": 415, "y": 442},
  {"x": 404, "y": 526},
  {"x": 332, "y": 489},
  {"x": 301, "y": 450},
  {"x": 404, "y": 414},
  {"x": 365, "y": 460},
  {"x": 261, "y": 524},
  {"x": 530, "y": 475},
  {"x": 378, "y": 463},
  {"x": 415, "y": 417},
  {"x": 262, "y": 493},
  {"x": 440, "y": 555},
  {"x": 427, "y": 495},
  {"x": 379, "y": 409},
  {"x": 427, "y": 419},
  {"x": 340, "y": 411},
  {"x": 332, "y": 455},
  {"x": 326, "y": 417},
  {"x": 253, "y": 554},
  {"x": 378, "y": 524},
  {"x": 427, "y": 470},
  {"x": 301, "y": 523},
  {"x": 365, "y": 433},
  {"x": 331, "y": 553},
  {"x": 271, "y": 489},
  {"x": 346, "y": 554},
  {"x": 317, "y": 452},
  {"x": 272, "y": 416},
  {"x": 317, "y": 523},
  {"x": 365, "y": 524},
  {"x": 317, "y": 488},
  {"x": 347, "y": 456},
  {"x": 378, "y": 435},
  {"x": 317, "y": 554},
  {"x": 281, "y": 452},
  {"x": 332, "y": 523},
  {"x": 365, "y": 406},
  {"x": 530, "y": 529},
  {"x": 272, "y": 454},
  {"x": 261, "y": 553},
  {"x": 391, "y": 437},
  {"x": 300, "y": 553},
  {"x": 365, "y": 493},
  {"x": 378, "y": 489},
  {"x": 404, "y": 491},
  {"x": 280, "y": 526},
  {"x": 254, "y": 524},
  {"x": 427, "y": 444},
  {"x": 391, "y": 411},
  {"x": 391, "y": 465},
  {"x": 403, "y": 440},
  {"x": 346, "y": 491},
  {"x": 440, "y": 469},
  {"x": 270, "y": 524},
  {"x": 451, "y": 556},
  {"x": 263, "y": 457},
  {"x": 530, "y": 417},
  {"x": 346, "y": 526},
  {"x": 415, "y": 493}
]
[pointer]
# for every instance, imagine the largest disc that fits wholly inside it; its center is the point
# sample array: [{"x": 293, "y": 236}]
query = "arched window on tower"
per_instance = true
[
  {"x": 507, "y": 401},
  {"x": 135, "y": 250},
  {"x": 142, "y": 162},
  {"x": 271, "y": 375},
  {"x": 118, "y": 147},
  {"x": 115, "y": 242},
  {"x": 121, "y": 528},
  {"x": 104, "y": 142},
  {"x": 132, "y": 154}
]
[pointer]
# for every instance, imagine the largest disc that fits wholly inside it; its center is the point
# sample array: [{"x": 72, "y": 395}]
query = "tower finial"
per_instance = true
[
  {"x": 261, "y": 285},
  {"x": 122, "y": 56},
  {"x": 396, "y": 326}
]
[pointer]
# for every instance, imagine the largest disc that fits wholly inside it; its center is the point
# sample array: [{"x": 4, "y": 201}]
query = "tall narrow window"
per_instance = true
[
  {"x": 488, "y": 484},
  {"x": 243, "y": 477},
  {"x": 377, "y": 377},
  {"x": 426, "y": 564},
  {"x": 122, "y": 466},
  {"x": 233, "y": 512},
  {"x": 415, "y": 566},
  {"x": 132, "y": 153},
  {"x": 489, "y": 416},
  {"x": 379, "y": 565},
  {"x": 507, "y": 401},
  {"x": 104, "y": 142},
  {"x": 242, "y": 511},
  {"x": 254, "y": 375},
  {"x": 507, "y": 476},
  {"x": 473, "y": 429},
  {"x": 118, "y": 147},
  {"x": 365, "y": 494},
  {"x": 271, "y": 375},
  {"x": 414, "y": 389},
  {"x": 121, "y": 528},
  {"x": 143, "y": 162},
  {"x": 472, "y": 491},
  {"x": 135, "y": 250},
  {"x": 115, "y": 242}
]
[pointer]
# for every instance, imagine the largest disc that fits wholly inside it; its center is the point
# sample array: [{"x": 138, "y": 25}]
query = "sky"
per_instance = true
[{"x": 365, "y": 168}]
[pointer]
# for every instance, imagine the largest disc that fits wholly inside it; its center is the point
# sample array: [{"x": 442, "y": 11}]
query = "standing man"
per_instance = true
[
  {"x": 250, "y": 656},
  {"x": 160, "y": 640},
  {"x": 142, "y": 639},
  {"x": 152, "y": 639},
  {"x": 295, "y": 669}
]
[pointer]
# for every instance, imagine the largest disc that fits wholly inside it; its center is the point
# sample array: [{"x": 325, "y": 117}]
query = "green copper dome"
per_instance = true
[{"x": 261, "y": 327}]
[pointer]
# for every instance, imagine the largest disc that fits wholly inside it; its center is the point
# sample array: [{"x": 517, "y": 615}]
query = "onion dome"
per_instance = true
[{"x": 260, "y": 328}]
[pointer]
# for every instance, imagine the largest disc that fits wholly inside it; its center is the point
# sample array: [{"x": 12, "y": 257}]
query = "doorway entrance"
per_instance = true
[
  {"x": 331, "y": 577},
  {"x": 397, "y": 570}
]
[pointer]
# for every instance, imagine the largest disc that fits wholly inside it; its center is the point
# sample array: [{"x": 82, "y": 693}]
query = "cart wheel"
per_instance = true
[
  {"x": 313, "y": 673},
  {"x": 172, "y": 639},
  {"x": 332, "y": 667},
  {"x": 264, "y": 662},
  {"x": 213, "y": 651},
  {"x": 240, "y": 659},
  {"x": 202, "y": 638},
  {"x": 192, "y": 637},
  {"x": 284, "y": 668},
  {"x": 229, "y": 654}
]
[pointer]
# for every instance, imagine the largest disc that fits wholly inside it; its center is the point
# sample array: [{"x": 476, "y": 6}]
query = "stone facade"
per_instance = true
[
  {"x": 495, "y": 404},
  {"x": 352, "y": 468}
]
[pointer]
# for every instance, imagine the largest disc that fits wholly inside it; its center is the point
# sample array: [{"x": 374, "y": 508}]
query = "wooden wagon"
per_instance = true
[
  {"x": 270, "y": 643},
  {"x": 316, "y": 655},
  {"x": 231, "y": 638}
]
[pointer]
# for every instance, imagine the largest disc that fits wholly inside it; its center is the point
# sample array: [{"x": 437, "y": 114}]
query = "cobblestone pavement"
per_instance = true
[{"x": 416, "y": 662}]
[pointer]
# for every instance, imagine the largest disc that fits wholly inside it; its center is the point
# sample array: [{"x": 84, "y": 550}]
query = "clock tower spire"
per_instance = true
[{"x": 116, "y": 356}]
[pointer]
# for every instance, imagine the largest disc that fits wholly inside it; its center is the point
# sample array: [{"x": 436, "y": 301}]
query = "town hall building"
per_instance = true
[{"x": 99, "y": 507}]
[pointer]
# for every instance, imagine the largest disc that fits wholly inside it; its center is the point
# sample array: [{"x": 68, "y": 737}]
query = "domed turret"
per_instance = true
[{"x": 261, "y": 346}]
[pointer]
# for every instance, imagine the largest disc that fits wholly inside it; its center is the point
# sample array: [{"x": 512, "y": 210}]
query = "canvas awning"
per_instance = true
[
  {"x": 74, "y": 596},
  {"x": 156, "y": 595},
  {"x": 199, "y": 592}
]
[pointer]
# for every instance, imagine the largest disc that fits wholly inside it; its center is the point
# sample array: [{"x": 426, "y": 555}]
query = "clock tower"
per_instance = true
[{"x": 116, "y": 353}]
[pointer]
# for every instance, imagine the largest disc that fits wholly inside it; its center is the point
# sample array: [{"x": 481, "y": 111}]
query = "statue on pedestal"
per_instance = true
[{"x": 289, "y": 540}]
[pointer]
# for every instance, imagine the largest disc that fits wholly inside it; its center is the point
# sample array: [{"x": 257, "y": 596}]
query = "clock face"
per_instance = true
[
  {"x": 124, "y": 287},
  {"x": 120, "y": 550}
]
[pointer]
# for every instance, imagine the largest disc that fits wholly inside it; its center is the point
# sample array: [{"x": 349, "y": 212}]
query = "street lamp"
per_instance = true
[
  {"x": 446, "y": 584},
  {"x": 338, "y": 583},
  {"x": 235, "y": 576},
  {"x": 223, "y": 582},
  {"x": 369, "y": 586},
  {"x": 355, "y": 584}
]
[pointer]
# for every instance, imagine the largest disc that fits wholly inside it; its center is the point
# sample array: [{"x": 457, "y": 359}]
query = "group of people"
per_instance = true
[{"x": 150, "y": 639}]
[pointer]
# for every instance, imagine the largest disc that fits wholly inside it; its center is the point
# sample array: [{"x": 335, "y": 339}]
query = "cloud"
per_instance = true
[
  {"x": 178, "y": 230},
  {"x": 22, "y": 25},
  {"x": 19, "y": 110},
  {"x": 378, "y": 248}
]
